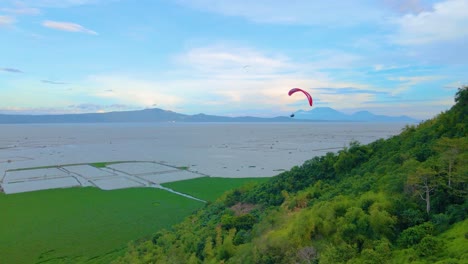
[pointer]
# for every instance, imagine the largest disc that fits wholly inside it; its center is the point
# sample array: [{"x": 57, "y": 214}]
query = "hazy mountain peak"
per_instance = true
[
  {"x": 161, "y": 115},
  {"x": 330, "y": 114}
]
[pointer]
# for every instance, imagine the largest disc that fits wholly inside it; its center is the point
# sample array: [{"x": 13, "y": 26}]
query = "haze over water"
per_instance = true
[{"x": 214, "y": 149}]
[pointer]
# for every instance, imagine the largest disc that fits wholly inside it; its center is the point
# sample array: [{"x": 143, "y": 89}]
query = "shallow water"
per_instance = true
[{"x": 214, "y": 149}]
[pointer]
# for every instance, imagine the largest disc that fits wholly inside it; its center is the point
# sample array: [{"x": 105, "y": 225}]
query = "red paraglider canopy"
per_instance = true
[{"x": 293, "y": 90}]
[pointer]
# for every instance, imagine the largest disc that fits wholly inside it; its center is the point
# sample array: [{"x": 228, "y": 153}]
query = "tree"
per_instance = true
[
  {"x": 460, "y": 111},
  {"x": 208, "y": 251},
  {"x": 451, "y": 150},
  {"x": 307, "y": 255},
  {"x": 351, "y": 157},
  {"x": 227, "y": 249},
  {"x": 193, "y": 259},
  {"x": 424, "y": 180}
]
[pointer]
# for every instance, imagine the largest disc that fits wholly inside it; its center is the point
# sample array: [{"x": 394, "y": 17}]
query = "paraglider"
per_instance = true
[{"x": 294, "y": 90}]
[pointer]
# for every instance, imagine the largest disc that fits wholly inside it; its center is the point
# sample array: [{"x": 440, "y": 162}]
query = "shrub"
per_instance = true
[
  {"x": 415, "y": 234},
  {"x": 429, "y": 246}
]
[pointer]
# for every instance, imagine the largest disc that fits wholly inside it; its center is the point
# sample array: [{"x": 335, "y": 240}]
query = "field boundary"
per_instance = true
[{"x": 109, "y": 175}]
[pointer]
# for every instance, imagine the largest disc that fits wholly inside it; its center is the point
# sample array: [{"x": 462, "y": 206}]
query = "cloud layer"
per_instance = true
[
  {"x": 53, "y": 82},
  {"x": 448, "y": 21},
  {"x": 234, "y": 57},
  {"x": 305, "y": 12},
  {"x": 20, "y": 8},
  {"x": 7, "y": 20},
  {"x": 67, "y": 26},
  {"x": 12, "y": 70}
]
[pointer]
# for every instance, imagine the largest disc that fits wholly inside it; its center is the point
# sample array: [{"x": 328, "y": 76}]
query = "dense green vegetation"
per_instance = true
[
  {"x": 99, "y": 164},
  {"x": 83, "y": 224},
  {"x": 210, "y": 188},
  {"x": 401, "y": 200}
]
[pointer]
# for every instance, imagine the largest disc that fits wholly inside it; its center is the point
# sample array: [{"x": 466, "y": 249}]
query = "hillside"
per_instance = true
[{"x": 401, "y": 200}]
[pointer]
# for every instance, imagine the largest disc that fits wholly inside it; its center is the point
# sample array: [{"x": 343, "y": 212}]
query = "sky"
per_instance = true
[{"x": 232, "y": 57}]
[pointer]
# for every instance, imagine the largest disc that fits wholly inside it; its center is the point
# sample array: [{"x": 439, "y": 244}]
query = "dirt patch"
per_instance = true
[{"x": 242, "y": 208}]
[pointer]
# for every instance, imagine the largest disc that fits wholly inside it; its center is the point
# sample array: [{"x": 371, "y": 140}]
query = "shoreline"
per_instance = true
[{"x": 217, "y": 150}]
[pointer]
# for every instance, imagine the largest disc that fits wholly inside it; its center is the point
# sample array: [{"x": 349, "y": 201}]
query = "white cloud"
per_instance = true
[
  {"x": 7, "y": 20},
  {"x": 233, "y": 61},
  {"x": 454, "y": 85},
  {"x": 422, "y": 109},
  {"x": 306, "y": 12},
  {"x": 382, "y": 67},
  {"x": 11, "y": 70},
  {"x": 67, "y": 26},
  {"x": 448, "y": 21},
  {"x": 60, "y": 3},
  {"x": 20, "y": 8},
  {"x": 409, "y": 81},
  {"x": 129, "y": 90},
  {"x": 192, "y": 95},
  {"x": 215, "y": 83},
  {"x": 407, "y": 6},
  {"x": 333, "y": 59},
  {"x": 71, "y": 109},
  {"x": 237, "y": 76},
  {"x": 230, "y": 61}
]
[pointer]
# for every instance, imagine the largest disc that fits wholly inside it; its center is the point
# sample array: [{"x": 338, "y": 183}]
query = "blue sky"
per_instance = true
[{"x": 232, "y": 57}]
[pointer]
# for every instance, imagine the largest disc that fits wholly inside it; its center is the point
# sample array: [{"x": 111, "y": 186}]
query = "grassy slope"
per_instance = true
[
  {"x": 208, "y": 188},
  {"x": 457, "y": 241},
  {"x": 81, "y": 223},
  {"x": 454, "y": 249}
]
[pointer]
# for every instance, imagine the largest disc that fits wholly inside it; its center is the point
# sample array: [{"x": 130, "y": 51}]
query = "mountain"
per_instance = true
[
  {"x": 160, "y": 115},
  {"x": 321, "y": 113},
  {"x": 147, "y": 115},
  {"x": 139, "y": 116},
  {"x": 329, "y": 114}
]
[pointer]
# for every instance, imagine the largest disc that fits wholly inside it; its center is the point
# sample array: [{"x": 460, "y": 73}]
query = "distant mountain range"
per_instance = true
[
  {"x": 160, "y": 115},
  {"x": 330, "y": 114}
]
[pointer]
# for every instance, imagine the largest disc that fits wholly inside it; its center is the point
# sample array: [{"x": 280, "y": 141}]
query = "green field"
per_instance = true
[
  {"x": 90, "y": 225},
  {"x": 209, "y": 188},
  {"x": 81, "y": 224}
]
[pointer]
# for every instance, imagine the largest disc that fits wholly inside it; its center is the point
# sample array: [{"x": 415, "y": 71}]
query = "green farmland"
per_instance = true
[
  {"x": 208, "y": 188},
  {"x": 89, "y": 225}
]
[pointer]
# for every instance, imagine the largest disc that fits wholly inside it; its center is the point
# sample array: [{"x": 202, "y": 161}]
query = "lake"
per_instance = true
[{"x": 214, "y": 149}]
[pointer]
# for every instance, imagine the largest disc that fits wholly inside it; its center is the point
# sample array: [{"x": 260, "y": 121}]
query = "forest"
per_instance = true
[{"x": 399, "y": 200}]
